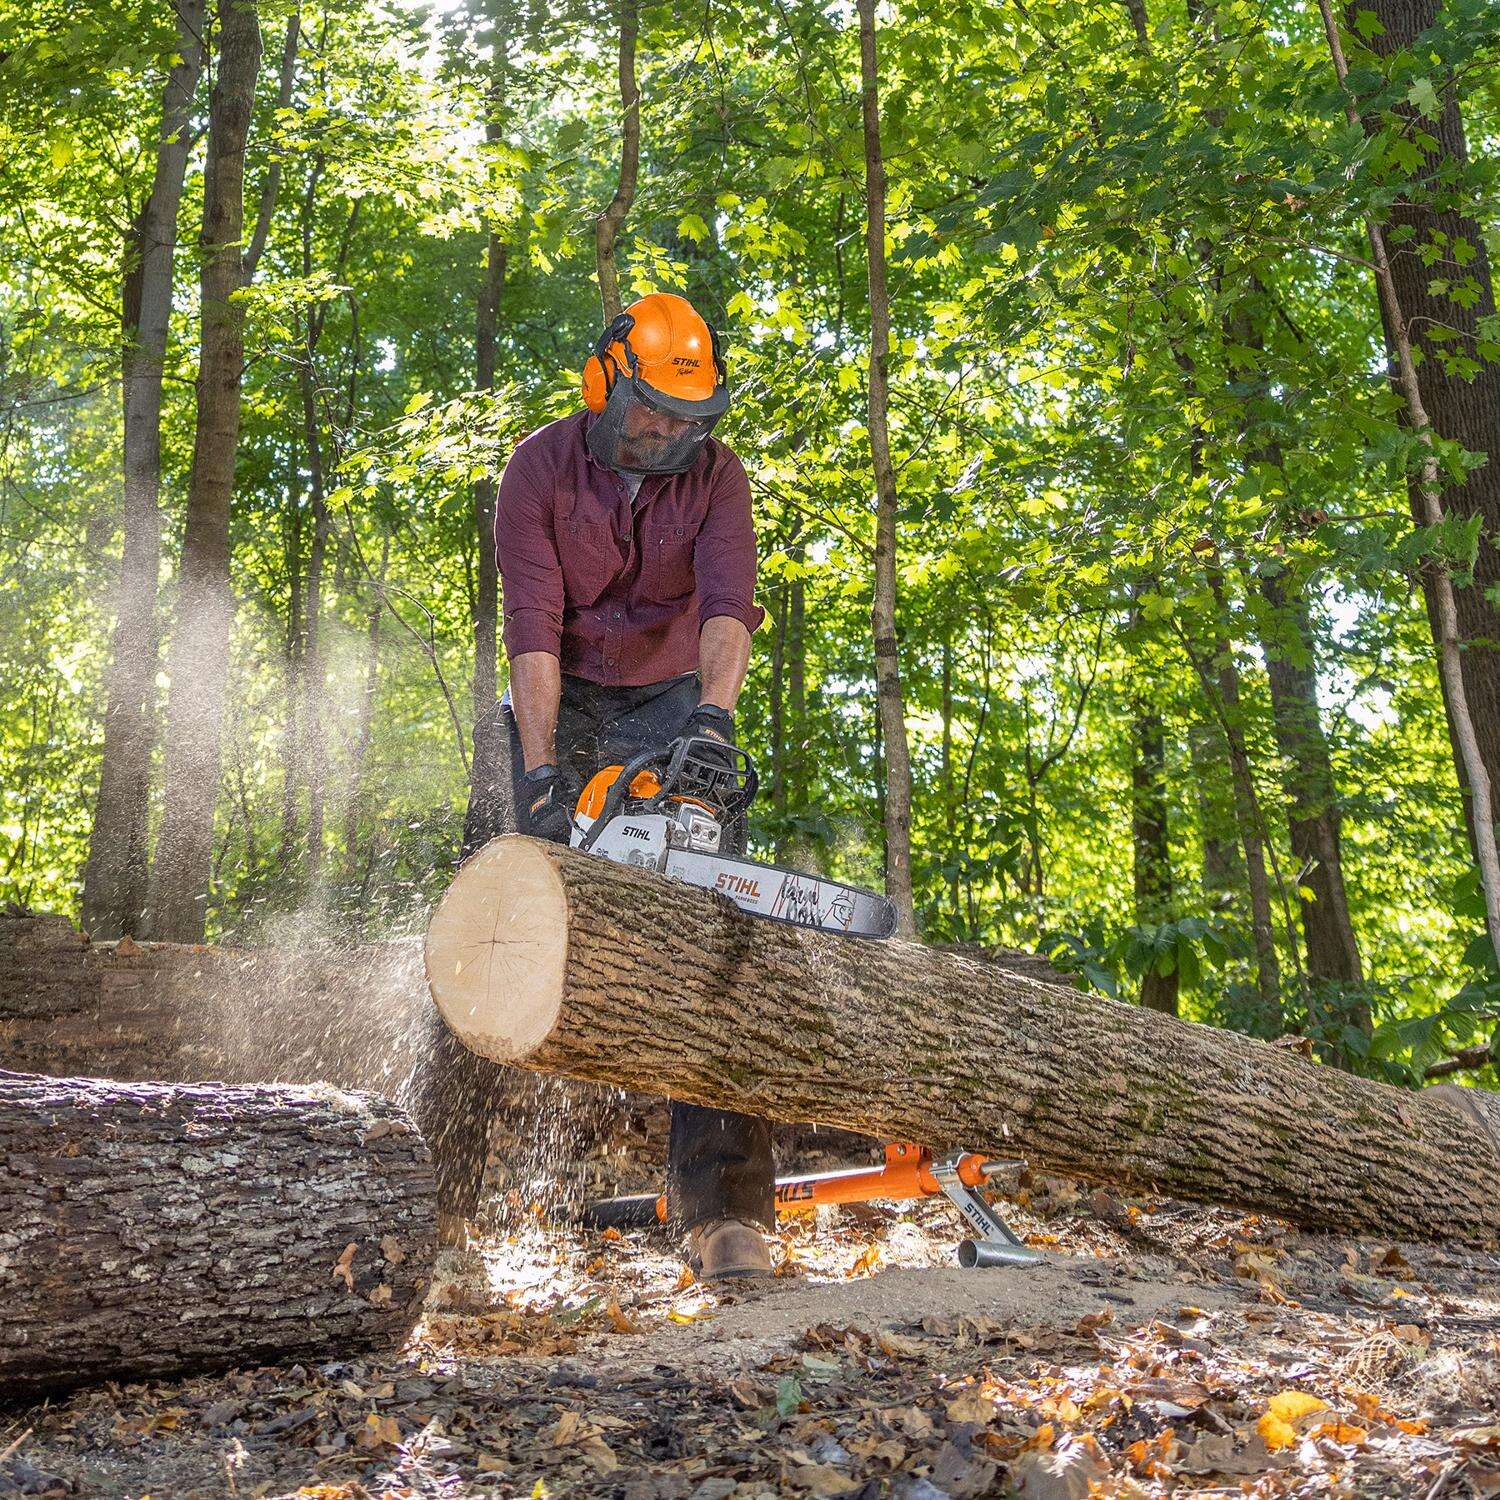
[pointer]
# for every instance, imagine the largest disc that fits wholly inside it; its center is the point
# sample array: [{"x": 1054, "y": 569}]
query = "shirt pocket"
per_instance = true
[
  {"x": 667, "y": 564},
  {"x": 590, "y": 560}
]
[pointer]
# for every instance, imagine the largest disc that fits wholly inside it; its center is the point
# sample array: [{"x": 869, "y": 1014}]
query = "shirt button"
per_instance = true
[{"x": 617, "y": 614}]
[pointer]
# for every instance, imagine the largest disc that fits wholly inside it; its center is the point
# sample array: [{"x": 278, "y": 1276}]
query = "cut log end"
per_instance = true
[{"x": 496, "y": 949}]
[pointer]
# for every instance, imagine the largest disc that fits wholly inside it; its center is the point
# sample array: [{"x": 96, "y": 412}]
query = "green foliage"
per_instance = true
[{"x": 1136, "y": 370}]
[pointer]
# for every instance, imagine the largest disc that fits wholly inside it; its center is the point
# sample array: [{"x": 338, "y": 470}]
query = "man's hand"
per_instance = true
[
  {"x": 550, "y": 795},
  {"x": 710, "y": 722}
]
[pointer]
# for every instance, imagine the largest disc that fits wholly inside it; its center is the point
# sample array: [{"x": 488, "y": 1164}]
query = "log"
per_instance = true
[
  {"x": 150, "y": 1230},
  {"x": 571, "y": 964}
]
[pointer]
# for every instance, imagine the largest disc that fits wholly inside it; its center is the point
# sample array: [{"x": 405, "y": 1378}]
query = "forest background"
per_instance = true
[{"x": 1133, "y": 367}]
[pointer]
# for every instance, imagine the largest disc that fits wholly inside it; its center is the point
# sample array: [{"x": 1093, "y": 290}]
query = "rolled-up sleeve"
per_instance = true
[
  {"x": 526, "y": 551},
  {"x": 724, "y": 552}
]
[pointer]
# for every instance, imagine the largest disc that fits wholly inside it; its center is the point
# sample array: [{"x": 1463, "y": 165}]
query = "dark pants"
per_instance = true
[{"x": 718, "y": 1164}]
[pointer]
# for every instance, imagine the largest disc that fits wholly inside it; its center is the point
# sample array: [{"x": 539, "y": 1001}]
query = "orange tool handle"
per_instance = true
[{"x": 905, "y": 1175}]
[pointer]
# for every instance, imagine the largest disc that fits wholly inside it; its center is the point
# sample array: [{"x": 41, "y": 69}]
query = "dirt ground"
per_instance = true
[{"x": 1158, "y": 1349}]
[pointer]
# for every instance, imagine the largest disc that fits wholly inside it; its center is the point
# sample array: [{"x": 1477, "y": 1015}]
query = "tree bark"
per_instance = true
[
  {"x": 114, "y": 881},
  {"x": 150, "y": 1229},
  {"x": 1149, "y": 843},
  {"x": 1222, "y": 879},
  {"x": 564, "y": 963},
  {"x": 1313, "y": 811},
  {"x": 897, "y": 801},
  {"x": 607, "y": 225},
  {"x": 1465, "y": 411},
  {"x": 182, "y": 870}
]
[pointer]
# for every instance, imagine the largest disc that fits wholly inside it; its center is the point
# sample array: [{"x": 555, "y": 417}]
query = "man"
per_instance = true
[{"x": 627, "y": 557}]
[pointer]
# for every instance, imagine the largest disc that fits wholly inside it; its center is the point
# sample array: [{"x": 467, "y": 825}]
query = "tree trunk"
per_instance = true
[
  {"x": 150, "y": 1229},
  {"x": 114, "y": 881},
  {"x": 1313, "y": 811},
  {"x": 898, "y": 881},
  {"x": 491, "y": 749},
  {"x": 607, "y": 225},
  {"x": 776, "y": 712},
  {"x": 1222, "y": 880},
  {"x": 182, "y": 869},
  {"x": 1465, "y": 411},
  {"x": 1468, "y": 729},
  {"x": 314, "y": 672},
  {"x": 1221, "y": 686},
  {"x": 569, "y": 964},
  {"x": 1149, "y": 841},
  {"x": 354, "y": 782},
  {"x": 291, "y": 739}
]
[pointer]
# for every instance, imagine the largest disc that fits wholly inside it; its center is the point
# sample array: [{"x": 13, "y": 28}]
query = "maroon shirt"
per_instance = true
[{"x": 618, "y": 592}]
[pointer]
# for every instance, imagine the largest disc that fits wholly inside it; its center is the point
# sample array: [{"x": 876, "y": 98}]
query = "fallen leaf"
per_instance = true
[
  {"x": 1069, "y": 1473},
  {"x": 617, "y": 1319},
  {"x": 390, "y": 1248},
  {"x": 566, "y": 1430},
  {"x": 822, "y": 1479},
  {"x": 970, "y": 1406},
  {"x": 378, "y": 1432},
  {"x": 898, "y": 1346},
  {"x": 867, "y": 1261},
  {"x": 1339, "y": 1431},
  {"x": 685, "y": 1279},
  {"x": 1289, "y": 1406},
  {"x": 598, "y": 1455},
  {"x": 1276, "y": 1426},
  {"x": 342, "y": 1264},
  {"x": 1216, "y": 1454}
]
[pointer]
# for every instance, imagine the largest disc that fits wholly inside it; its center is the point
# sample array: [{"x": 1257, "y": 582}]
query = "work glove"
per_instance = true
[
  {"x": 709, "y": 722},
  {"x": 548, "y": 799}
]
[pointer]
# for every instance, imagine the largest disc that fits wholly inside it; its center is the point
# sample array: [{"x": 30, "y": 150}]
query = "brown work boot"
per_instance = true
[{"x": 723, "y": 1248}]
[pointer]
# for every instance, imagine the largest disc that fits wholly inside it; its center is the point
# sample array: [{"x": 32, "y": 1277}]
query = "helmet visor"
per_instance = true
[{"x": 644, "y": 431}]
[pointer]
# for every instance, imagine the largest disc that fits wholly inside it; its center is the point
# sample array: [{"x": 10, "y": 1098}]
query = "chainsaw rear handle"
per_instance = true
[{"x": 673, "y": 757}]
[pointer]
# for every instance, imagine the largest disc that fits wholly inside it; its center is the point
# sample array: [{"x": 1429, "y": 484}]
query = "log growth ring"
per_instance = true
[{"x": 495, "y": 950}]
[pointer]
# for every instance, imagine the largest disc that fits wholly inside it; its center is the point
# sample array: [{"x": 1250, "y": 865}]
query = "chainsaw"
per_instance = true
[{"x": 673, "y": 810}]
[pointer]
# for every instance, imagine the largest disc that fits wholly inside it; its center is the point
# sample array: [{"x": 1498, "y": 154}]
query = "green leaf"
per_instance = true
[
  {"x": 788, "y": 1395},
  {"x": 1423, "y": 97},
  {"x": 1368, "y": 24},
  {"x": 417, "y": 402},
  {"x": 693, "y": 227}
]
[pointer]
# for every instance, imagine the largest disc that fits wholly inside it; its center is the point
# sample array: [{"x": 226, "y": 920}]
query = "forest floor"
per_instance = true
[{"x": 1159, "y": 1349}]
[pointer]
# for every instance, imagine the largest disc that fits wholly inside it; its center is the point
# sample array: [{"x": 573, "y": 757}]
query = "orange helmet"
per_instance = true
[
  {"x": 663, "y": 342},
  {"x": 656, "y": 383}
]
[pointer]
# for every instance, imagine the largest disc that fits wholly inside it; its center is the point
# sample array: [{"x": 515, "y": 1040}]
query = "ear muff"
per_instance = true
[{"x": 602, "y": 369}]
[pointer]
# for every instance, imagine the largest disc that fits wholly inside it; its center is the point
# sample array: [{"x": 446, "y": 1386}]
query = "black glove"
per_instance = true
[
  {"x": 709, "y": 722},
  {"x": 715, "y": 725},
  {"x": 549, "y": 797}
]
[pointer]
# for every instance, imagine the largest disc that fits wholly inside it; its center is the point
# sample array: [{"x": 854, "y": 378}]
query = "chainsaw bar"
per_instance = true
[{"x": 785, "y": 895}]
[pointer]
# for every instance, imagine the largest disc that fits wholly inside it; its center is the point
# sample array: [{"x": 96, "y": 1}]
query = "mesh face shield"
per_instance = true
[{"x": 644, "y": 431}]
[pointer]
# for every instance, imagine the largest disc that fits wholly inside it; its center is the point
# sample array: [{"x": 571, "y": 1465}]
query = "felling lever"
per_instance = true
[{"x": 909, "y": 1172}]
